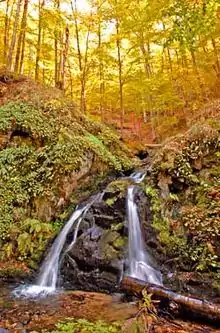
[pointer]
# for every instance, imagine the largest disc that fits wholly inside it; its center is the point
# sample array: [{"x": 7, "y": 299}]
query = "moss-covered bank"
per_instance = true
[
  {"x": 47, "y": 151},
  {"x": 184, "y": 188}
]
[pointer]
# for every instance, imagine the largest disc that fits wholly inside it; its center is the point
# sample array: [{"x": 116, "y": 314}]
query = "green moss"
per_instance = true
[
  {"x": 116, "y": 190},
  {"x": 173, "y": 242},
  {"x": 117, "y": 227},
  {"x": 42, "y": 147},
  {"x": 177, "y": 158},
  {"x": 119, "y": 243},
  {"x": 26, "y": 118},
  {"x": 111, "y": 244},
  {"x": 188, "y": 221},
  {"x": 82, "y": 325}
]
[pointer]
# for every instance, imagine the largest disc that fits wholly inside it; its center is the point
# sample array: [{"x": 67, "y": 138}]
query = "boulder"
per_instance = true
[{"x": 99, "y": 256}]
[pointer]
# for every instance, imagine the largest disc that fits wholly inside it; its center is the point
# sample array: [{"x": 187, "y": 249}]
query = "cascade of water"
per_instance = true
[
  {"x": 47, "y": 280},
  {"x": 138, "y": 177},
  {"x": 139, "y": 260},
  {"x": 50, "y": 268}
]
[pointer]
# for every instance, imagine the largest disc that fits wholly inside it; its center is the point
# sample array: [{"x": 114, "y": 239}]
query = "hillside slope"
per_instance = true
[
  {"x": 47, "y": 153},
  {"x": 184, "y": 187}
]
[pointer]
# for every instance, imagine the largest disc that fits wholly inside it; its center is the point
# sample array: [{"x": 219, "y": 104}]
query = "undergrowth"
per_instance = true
[
  {"x": 84, "y": 326},
  {"x": 185, "y": 199},
  {"x": 41, "y": 147}
]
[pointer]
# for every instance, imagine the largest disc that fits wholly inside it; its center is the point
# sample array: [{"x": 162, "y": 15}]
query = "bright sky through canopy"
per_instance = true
[{"x": 83, "y": 5}]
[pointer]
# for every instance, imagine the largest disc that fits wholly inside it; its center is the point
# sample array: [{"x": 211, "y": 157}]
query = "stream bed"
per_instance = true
[{"x": 34, "y": 315}]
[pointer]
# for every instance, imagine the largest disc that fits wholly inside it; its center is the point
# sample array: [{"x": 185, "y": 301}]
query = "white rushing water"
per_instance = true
[
  {"x": 138, "y": 177},
  {"x": 47, "y": 280},
  {"x": 139, "y": 260}
]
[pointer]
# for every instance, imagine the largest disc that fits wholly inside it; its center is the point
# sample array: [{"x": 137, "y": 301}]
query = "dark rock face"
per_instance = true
[{"x": 97, "y": 259}]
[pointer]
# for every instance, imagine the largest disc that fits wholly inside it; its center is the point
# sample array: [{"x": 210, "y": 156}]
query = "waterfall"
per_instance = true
[
  {"x": 140, "y": 262},
  {"x": 140, "y": 266},
  {"x": 50, "y": 268},
  {"x": 138, "y": 177},
  {"x": 47, "y": 281}
]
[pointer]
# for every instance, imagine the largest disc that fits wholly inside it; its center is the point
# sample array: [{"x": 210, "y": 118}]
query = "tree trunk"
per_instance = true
[
  {"x": 145, "y": 56},
  {"x": 57, "y": 37},
  {"x": 65, "y": 52},
  {"x": 56, "y": 80},
  {"x": 101, "y": 74},
  {"x": 196, "y": 71},
  {"x": 81, "y": 70},
  {"x": 41, "y": 4},
  {"x": 21, "y": 39},
  {"x": 6, "y": 32},
  {"x": 216, "y": 57},
  {"x": 84, "y": 75},
  {"x": 198, "y": 306},
  {"x": 14, "y": 36},
  {"x": 71, "y": 80},
  {"x": 120, "y": 69},
  {"x": 170, "y": 60}
]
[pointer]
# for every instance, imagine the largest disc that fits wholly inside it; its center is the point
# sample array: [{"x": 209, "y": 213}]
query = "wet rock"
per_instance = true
[
  {"x": 98, "y": 258},
  {"x": 94, "y": 262}
]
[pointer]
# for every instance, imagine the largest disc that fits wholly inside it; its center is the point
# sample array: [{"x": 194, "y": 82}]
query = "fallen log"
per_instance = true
[{"x": 198, "y": 306}]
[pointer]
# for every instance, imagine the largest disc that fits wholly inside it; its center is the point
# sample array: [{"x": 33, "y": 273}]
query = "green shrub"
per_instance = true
[{"x": 84, "y": 326}]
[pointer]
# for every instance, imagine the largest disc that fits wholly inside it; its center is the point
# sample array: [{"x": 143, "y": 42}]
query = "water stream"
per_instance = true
[
  {"x": 140, "y": 261},
  {"x": 46, "y": 282}
]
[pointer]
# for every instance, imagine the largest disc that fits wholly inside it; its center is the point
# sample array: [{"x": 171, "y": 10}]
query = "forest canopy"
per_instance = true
[{"x": 138, "y": 61}]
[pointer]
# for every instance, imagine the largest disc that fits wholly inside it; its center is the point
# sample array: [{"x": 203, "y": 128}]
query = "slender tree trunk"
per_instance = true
[
  {"x": 146, "y": 62},
  {"x": 82, "y": 92},
  {"x": 83, "y": 64},
  {"x": 6, "y": 32},
  {"x": 57, "y": 37},
  {"x": 22, "y": 54},
  {"x": 60, "y": 58},
  {"x": 101, "y": 74},
  {"x": 65, "y": 52},
  {"x": 56, "y": 60},
  {"x": 169, "y": 59},
  {"x": 71, "y": 79},
  {"x": 177, "y": 58},
  {"x": 148, "y": 72},
  {"x": 43, "y": 62},
  {"x": 14, "y": 36},
  {"x": 184, "y": 60},
  {"x": 41, "y": 4},
  {"x": 196, "y": 71},
  {"x": 84, "y": 74},
  {"x": 194, "y": 62},
  {"x": 120, "y": 70},
  {"x": 21, "y": 39},
  {"x": 144, "y": 109},
  {"x": 216, "y": 57}
]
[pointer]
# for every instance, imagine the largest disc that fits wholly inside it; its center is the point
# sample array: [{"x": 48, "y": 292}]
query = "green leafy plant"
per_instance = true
[
  {"x": 146, "y": 315},
  {"x": 84, "y": 326},
  {"x": 42, "y": 147}
]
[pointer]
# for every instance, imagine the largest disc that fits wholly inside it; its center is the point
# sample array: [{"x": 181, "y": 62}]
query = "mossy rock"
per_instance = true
[
  {"x": 111, "y": 243},
  {"x": 47, "y": 151},
  {"x": 187, "y": 217},
  {"x": 116, "y": 190}
]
